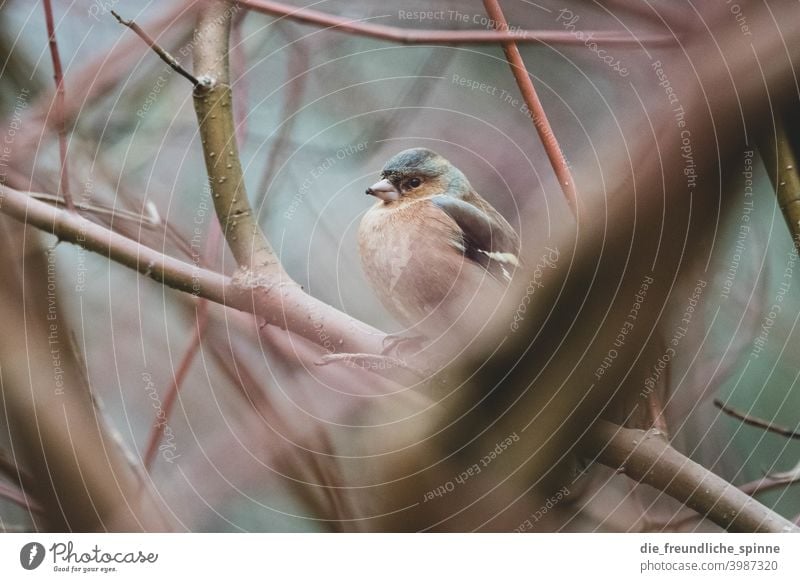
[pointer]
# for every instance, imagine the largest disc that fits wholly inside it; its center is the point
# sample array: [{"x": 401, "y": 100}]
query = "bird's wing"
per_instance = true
[{"x": 487, "y": 238}]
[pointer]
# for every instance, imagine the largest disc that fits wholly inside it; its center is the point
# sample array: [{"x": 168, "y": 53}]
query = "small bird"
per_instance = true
[{"x": 436, "y": 253}]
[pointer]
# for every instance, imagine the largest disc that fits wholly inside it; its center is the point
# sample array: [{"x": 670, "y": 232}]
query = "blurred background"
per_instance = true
[{"x": 318, "y": 113}]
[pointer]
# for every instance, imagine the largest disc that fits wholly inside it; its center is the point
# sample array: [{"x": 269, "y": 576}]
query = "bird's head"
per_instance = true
[{"x": 417, "y": 173}]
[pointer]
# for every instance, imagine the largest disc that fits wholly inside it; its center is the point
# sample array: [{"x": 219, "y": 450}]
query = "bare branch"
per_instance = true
[
  {"x": 781, "y": 164},
  {"x": 214, "y": 107},
  {"x": 97, "y": 78},
  {"x": 535, "y": 108},
  {"x": 280, "y": 302},
  {"x": 411, "y": 36},
  {"x": 165, "y": 56},
  {"x": 647, "y": 457},
  {"x": 754, "y": 421},
  {"x": 61, "y": 120}
]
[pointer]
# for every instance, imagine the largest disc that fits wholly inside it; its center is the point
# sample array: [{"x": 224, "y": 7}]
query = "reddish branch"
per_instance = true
[
  {"x": 755, "y": 421},
  {"x": 61, "y": 119},
  {"x": 538, "y": 116},
  {"x": 97, "y": 77},
  {"x": 411, "y": 36}
]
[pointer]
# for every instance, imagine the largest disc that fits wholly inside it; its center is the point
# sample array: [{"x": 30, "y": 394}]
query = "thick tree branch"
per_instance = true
[
  {"x": 214, "y": 106},
  {"x": 647, "y": 457},
  {"x": 281, "y": 303},
  {"x": 412, "y": 36},
  {"x": 780, "y": 162}
]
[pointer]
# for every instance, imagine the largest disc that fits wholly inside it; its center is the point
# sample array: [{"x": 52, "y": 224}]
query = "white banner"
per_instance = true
[{"x": 401, "y": 557}]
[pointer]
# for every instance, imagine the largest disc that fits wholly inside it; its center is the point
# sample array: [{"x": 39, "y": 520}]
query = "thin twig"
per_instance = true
[
  {"x": 755, "y": 421},
  {"x": 93, "y": 209},
  {"x": 61, "y": 120},
  {"x": 535, "y": 108},
  {"x": 101, "y": 74},
  {"x": 412, "y": 36},
  {"x": 647, "y": 457},
  {"x": 165, "y": 56}
]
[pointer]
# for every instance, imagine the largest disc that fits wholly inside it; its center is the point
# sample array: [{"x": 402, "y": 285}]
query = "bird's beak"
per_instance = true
[{"x": 384, "y": 190}]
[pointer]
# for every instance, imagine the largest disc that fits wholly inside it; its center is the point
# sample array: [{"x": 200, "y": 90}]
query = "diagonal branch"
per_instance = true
[
  {"x": 755, "y": 421},
  {"x": 412, "y": 36},
  {"x": 281, "y": 303},
  {"x": 165, "y": 56},
  {"x": 538, "y": 116},
  {"x": 647, "y": 457}
]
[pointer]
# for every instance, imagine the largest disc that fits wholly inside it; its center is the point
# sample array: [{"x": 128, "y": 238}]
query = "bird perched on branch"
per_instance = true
[{"x": 436, "y": 253}]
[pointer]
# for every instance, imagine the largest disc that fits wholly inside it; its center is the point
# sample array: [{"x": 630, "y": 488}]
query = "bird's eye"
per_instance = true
[{"x": 414, "y": 183}]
